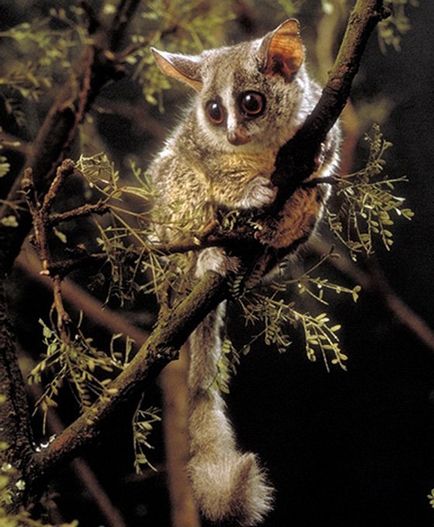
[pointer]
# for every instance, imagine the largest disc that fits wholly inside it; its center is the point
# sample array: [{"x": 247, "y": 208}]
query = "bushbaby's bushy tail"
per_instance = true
[{"x": 227, "y": 484}]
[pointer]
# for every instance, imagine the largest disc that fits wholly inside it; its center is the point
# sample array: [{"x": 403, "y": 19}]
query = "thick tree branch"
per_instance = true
[
  {"x": 15, "y": 427},
  {"x": 161, "y": 347},
  {"x": 296, "y": 160},
  {"x": 294, "y": 164}
]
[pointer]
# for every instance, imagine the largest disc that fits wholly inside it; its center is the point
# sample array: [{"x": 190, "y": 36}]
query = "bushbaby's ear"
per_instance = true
[
  {"x": 281, "y": 51},
  {"x": 184, "y": 68}
]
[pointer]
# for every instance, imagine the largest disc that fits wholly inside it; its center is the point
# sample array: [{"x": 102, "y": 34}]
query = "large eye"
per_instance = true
[
  {"x": 251, "y": 103},
  {"x": 215, "y": 112}
]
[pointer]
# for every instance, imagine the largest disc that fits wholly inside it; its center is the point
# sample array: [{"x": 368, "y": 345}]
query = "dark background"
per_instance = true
[
  {"x": 348, "y": 448},
  {"x": 356, "y": 448}
]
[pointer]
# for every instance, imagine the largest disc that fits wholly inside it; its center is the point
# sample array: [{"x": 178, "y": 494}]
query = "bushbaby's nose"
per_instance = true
[{"x": 237, "y": 136}]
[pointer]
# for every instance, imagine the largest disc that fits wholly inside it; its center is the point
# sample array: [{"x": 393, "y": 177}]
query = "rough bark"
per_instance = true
[{"x": 14, "y": 415}]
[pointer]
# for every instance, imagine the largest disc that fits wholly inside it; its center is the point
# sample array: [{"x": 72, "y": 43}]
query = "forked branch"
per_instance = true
[{"x": 294, "y": 164}]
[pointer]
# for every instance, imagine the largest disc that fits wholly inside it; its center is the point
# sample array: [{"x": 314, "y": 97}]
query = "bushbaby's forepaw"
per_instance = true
[
  {"x": 215, "y": 259},
  {"x": 260, "y": 192}
]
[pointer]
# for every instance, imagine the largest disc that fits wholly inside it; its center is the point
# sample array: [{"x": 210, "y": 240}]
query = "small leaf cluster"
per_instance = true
[
  {"x": 274, "y": 313},
  {"x": 315, "y": 286},
  {"x": 290, "y": 7},
  {"x": 75, "y": 361},
  {"x": 431, "y": 498},
  {"x": 321, "y": 337},
  {"x": 143, "y": 425},
  {"x": 4, "y": 166},
  {"x": 271, "y": 309},
  {"x": 391, "y": 30},
  {"x": 123, "y": 239},
  {"x": 49, "y": 46},
  {"x": 268, "y": 305},
  {"x": 227, "y": 365},
  {"x": 366, "y": 202}
]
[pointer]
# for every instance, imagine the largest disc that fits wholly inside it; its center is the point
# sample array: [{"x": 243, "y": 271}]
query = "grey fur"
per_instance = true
[{"x": 198, "y": 170}]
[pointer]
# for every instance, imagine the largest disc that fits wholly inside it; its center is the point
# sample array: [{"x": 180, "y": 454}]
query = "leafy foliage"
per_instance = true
[
  {"x": 4, "y": 166},
  {"x": 290, "y": 7},
  {"x": 178, "y": 26},
  {"x": 132, "y": 249},
  {"x": 366, "y": 202},
  {"x": 74, "y": 360},
  {"x": 170, "y": 272},
  {"x": 143, "y": 424},
  {"x": 275, "y": 313},
  {"x": 364, "y": 211},
  {"x": 393, "y": 28},
  {"x": 49, "y": 45},
  {"x": 431, "y": 498},
  {"x": 227, "y": 365}
]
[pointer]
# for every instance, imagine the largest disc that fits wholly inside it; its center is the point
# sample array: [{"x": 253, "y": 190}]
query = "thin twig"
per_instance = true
[
  {"x": 11, "y": 142},
  {"x": 407, "y": 317},
  {"x": 66, "y": 266},
  {"x": 81, "y": 300},
  {"x": 65, "y": 170},
  {"x": 79, "y": 212},
  {"x": 42, "y": 228}
]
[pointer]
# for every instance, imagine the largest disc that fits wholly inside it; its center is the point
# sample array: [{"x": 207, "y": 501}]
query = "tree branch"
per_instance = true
[
  {"x": 96, "y": 67},
  {"x": 81, "y": 300},
  {"x": 295, "y": 163},
  {"x": 14, "y": 415},
  {"x": 296, "y": 160},
  {"x": 161, "y": 348}
]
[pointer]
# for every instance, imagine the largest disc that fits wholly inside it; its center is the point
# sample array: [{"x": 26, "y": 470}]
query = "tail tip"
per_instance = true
[{"x": 232, "y": 489}]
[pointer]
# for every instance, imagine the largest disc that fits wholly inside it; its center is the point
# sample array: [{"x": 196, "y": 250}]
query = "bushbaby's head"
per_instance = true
[{"x": 248, "y": 94}]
